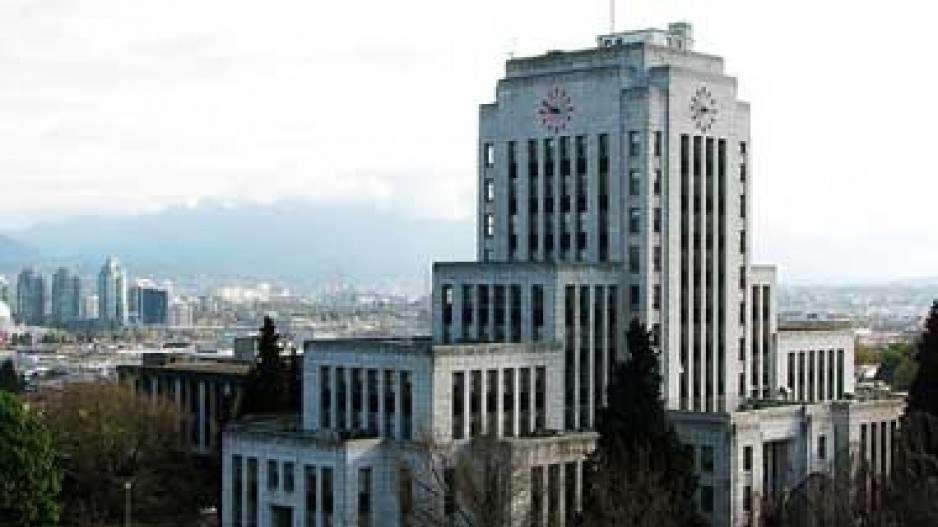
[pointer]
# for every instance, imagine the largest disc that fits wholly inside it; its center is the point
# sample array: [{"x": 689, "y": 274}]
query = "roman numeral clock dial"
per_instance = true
[
  {"x": 703, "y": 109},
  {"x": 555, "y": 110}
]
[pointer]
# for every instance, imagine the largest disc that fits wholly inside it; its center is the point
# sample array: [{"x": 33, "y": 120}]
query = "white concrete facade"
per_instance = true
[{"x": 614, "y": 184}]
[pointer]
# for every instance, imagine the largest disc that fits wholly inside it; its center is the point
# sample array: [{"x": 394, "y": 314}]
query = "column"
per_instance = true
[
  {"x": 467, "y": 403},
  {"x": 347, "y": 372},
  {"x": 591, "y": 356},
  {"x": 516, "y": 387},
  {"x": 398, "y": 403},
  {"x": 381, "y": 409},
  {"x": 576, "y": 355},
  {"x": 202, "y": 410},
  {"x": 333, "y": 398},
  {"x": 366, "y": 401},
  {"x": 499, "y": 403}
]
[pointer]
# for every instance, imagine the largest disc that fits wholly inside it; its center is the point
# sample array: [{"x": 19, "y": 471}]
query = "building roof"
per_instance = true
[{"x": 815, "y": 325}]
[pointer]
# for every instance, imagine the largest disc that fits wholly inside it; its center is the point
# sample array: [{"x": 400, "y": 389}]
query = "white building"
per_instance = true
[
  {"x": 112, "y": 294},
  {"x": 614, "y": 185}
]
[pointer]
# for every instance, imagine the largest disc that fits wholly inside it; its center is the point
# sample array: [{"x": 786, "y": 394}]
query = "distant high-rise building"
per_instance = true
[
  {"x": 30, "y": 298},
  {"x": 112, "y": 294},
  {"x": 66, "y": 297},
  {"x": 180, "y": 314},
  {"x": 90, "y": 307},
  {"x": 149, "y": 304},
  {"x": 4, "y": 290}
]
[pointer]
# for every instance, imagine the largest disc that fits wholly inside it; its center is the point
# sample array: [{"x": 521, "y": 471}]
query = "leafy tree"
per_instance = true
[
  {"x": 471, "y": 485},
  {"x": 10, "y": 380},
  {"x": 638, "y": 448},
  {"x": 267, "y": 386},
  {"x": 29, "y": 478},
  {"x": 107, "y": 435},
  {"x": 865, "y": 355}
]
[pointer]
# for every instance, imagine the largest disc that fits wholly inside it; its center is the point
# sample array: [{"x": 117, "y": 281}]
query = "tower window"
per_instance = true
[
  {"x": 634, "y": 183},
  {"x": 489, "y": 191},
  {"x": 489, "y": 225},
  {"x": 635, "y": 220},
  {"x": 658, "y": 144},
  {"x": 489, "y": 154},
  {"x": 635, "y": 146}
]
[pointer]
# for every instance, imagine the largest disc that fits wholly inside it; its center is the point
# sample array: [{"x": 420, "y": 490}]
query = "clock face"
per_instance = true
[
  {"x": 703, "y": 109},
  {"x": 555, "y": 110}
]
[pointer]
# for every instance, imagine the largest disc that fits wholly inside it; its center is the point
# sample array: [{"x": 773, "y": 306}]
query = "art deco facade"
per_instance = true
[{"x": 614, "y": 184}]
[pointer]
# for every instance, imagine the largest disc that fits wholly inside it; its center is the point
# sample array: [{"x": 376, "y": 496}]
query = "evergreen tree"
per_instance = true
[
  {"x": 915, "y": 467},
  {"x": 267, "y": 384},
  {"x": 923, "y": 394},
  {"x": 10, "y": 380},
  {"x": 29, "y": 478},
  {"x": 639, "y": 459}
]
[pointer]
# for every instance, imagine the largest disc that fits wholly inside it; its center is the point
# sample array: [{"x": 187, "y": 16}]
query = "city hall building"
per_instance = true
[{"x": 614, "y": 184}]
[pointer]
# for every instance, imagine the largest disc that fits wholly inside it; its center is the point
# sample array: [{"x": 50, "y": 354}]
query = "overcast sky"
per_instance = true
[{"x": 121, "y": 107}]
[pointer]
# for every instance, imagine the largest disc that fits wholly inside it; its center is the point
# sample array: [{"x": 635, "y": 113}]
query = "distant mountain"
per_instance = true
[
  {"x": 295, "y": 240},
  {"x": 14, "y": 254}
]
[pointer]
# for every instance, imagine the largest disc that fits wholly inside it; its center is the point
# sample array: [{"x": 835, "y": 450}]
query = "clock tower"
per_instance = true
[{"x": 633, "y": 155}]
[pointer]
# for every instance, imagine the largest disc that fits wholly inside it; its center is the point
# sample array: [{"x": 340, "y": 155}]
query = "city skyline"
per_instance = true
[{"x": 275, "y": 85}]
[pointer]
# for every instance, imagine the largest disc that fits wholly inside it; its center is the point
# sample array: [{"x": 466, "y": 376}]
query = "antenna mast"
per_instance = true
[{"x": 612, "y": 16}]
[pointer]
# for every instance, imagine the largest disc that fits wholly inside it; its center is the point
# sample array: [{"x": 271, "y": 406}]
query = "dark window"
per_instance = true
[
  {"x": 288, "y": 476},
  {"x": 747, "y": 458},
  {"x": 273, "y": 475},
  {"x": 537, "y": 301},
  {"x": 635, "y": 146},
  {"x": 634, "y": 183},
  {"x": 747, "y": 498},
  {"x": 657, "y": 184},
  {"x": 580, "y": 154},
  {"x": 389, "y": 402},
  {"x": 325, "y": 398},
  {"x": 475, "y": 403},
  {"x": 512, "y": 161},
  {"x": 459, "y": 407},
  {"x": 706, "y": 499},
  {"x": 405, "y": 490},
  {"x": 237, "y": 484},
  {"x": 537, "y": 495},
  {"x": 508, "y": 402},
  {"x": 364, "y": 497},
  {"x": 742, "y": 148},
  {"x": 253, "y": 493},
  {"x": 328, "y": 506},
  {"x": 657, "y": 144},
  {"x": 524, "y": 401},
  {"x": 540, "y": 398},
  {"x": 489, "y": 225},
  {"x": 635, "y": 220},
  {"x": 489, "y": 190},
  {"x": 634, "y": 259},
  {"x": 407, "y": 409},
  {"x": 706, "y": 459},
  {"x": 656, "y": 297},
  {"x": 656, "y": 259},
  {"x": 656, "y": 220},
  {"x": 822, "y": 447},
  {"x": 311, "y": 505},
  {"x": 634, "y": 296}
]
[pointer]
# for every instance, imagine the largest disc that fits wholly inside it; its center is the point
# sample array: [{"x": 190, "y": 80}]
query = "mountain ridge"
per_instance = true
[{"x": 293, "y": 240}]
